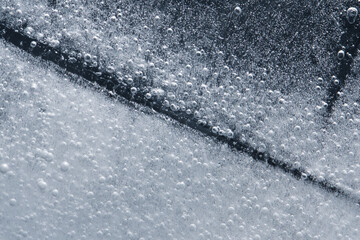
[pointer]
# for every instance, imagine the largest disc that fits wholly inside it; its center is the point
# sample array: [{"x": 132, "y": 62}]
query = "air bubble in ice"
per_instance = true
[
  {"x": 4, "y": 168},
  {"x": 174, "y": 108},
  {"x": 29, "y": 30},
  {"x": 55, "y": 192},
  {"x": 222, "y": 132},
  {"x": 166, "y": 103},
  {"x": 197, "y": 114},
  {"x": 157, "y": 92},
  {"x": 173, "y": 85},
  {"x": 189, "y": 85},
  {"x": 193, "y": 104},
  {"x": 341, "y": 54},
  {"x": 89, "y": 194},
  {"x": 33, "y": 44},
  {"x": 147, "y": 95},
  {"x": 171, "y": 96},
  {"x": 229, "y": 133},
  {"x": 72, "y": 60},
  {"x": 94, "y": 58},
  {"x": 237, "y": 10},
  {"x": 41, "y": 184},
  {"x": 133, "y": 90},
  {"x": 198, "y": 53},
  {"x": 129, "y": 80},
  {"x": 119, "y": 15},
  {"x": 18, "y": 12},
  {"x": 110, "y": 69},
  {"x": 113, "y": 19},
  {"x": 351, "y": 15},
  {"x": 215, "y": 129},
  {"x": 54, "y": 43},
  {"x": 102, "y": 179},
  {"x": 65, "y": 166},
  {"x": 12, "y": 202},
  {"x": 87, "y": 57}
]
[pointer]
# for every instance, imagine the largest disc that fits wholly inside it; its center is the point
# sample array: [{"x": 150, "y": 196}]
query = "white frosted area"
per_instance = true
[{"x": 77, "y": 165}]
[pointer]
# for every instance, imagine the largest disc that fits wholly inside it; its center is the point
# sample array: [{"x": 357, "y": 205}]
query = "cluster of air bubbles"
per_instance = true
[
  {"x": 335, "y": 80},
  {"x": 41, "y": 184},
  {"x": 176, "y": 98},
  {"x": 219, "y": 97},
  {"x": 110, "y": 69},
  {"x": 228, "y": 101}
]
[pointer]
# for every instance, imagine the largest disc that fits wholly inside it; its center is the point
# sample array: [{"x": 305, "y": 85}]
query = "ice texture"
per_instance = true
[
  {"x": 242, "y": 72},
  {"x": 76, "y": 164}
]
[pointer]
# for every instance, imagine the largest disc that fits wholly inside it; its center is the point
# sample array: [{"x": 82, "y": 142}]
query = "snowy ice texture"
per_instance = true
[
  {"x": 183, "y": 55},
  {"x": 76, "y": 165}
]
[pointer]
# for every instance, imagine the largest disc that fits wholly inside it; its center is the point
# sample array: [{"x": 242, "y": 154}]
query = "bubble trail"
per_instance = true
[
  {"x": 347, "y": 51},
  {"x": 111, "y": 82}
]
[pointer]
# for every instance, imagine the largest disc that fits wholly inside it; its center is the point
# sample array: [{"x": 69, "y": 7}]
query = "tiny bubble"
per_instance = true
[
  {"x": 237, "y": 10},
  {"x": 33, "y": 44}
]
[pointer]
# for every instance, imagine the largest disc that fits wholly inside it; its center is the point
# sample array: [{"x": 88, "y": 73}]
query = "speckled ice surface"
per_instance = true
[
  {"x": 270, "y": 93},
  {"x": 78, "y": 165}
]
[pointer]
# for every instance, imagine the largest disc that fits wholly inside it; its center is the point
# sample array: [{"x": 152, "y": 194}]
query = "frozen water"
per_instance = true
[
  {"x": 76, "y": 165},
  {"x": 258, "y": 72},
  {"x": 193, "y": 70}
]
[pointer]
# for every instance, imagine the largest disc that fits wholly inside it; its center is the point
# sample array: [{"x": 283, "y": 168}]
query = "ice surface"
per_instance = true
[
  {"x": 76, "y": 165},
  {"x": 268, "y": 71}
]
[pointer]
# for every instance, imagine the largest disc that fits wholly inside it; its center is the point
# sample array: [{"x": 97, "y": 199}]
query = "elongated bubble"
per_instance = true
[{"x": 351, "y": 15}]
